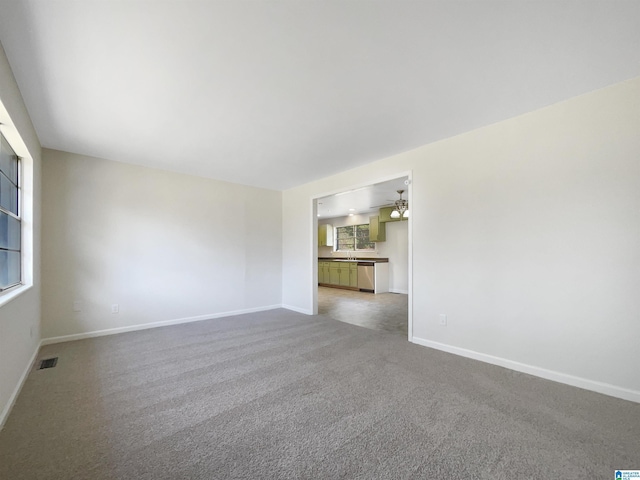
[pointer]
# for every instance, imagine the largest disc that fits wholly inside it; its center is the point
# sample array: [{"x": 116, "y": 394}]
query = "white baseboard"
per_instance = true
[
  {"x": 299, "y": 310},
  {"x": 395, "y": 290},
  {"x": 144, "y": 326},
  {"x": 12, "y": 399},
  {"x": 600, "y": 387}
]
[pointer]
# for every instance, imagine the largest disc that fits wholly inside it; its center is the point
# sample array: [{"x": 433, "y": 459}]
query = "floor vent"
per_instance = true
[{"x": 48, "y": 363}]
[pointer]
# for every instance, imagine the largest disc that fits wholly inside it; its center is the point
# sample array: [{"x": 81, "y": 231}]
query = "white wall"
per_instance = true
[
  {"x": 163, "y": 246},
  {"x": 525, "y": 233},
  {"x": 396, "y": 249},
  {"x": 19, "y": 316}
]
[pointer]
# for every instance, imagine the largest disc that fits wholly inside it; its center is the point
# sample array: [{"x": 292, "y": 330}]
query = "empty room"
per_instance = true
[{"x": 319, "y": 239}]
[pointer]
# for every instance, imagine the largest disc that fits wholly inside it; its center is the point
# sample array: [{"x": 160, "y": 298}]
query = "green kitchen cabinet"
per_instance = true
[
  {"x": 377, "y": 229},
  {"x": 334, "y": 274},
  {"x": 325, "y": 268},
  {"x": 353, "y": 274},
  {"x": 339, "y": 274},
  {"x": 323, "y": 272},
  {"x": 385, "y": 215},
  {"x": 325, "y": 235},
  {"x": 345, "y": 277}
]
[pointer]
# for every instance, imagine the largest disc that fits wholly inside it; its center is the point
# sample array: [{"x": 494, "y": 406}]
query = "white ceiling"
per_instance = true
[
  {"x": 362, "y": 200},
  {"x": 279, "y": 93}
]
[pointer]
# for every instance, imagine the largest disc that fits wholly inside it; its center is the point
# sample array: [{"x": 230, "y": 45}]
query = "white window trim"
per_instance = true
[{"x": 26, "y": 201}]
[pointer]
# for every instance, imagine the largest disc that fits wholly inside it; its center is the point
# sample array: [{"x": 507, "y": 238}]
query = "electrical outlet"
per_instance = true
[
  {"x": 115, "y": 308},
  {"x": 77, "y": 306},
  {"x": 443, "y": 320}
]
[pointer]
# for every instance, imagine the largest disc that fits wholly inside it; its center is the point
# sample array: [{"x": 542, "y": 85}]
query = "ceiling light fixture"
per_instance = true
[{"x": 401, "y": 207}]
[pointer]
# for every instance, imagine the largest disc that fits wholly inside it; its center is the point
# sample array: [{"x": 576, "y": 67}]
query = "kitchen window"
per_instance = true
[
  {"x": 353, "y": 238},
  {"x": 10, "y": 220}
]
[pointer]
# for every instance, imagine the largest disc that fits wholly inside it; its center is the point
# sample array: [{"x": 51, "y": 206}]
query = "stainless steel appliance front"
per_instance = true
[{"x": 366, "y": 276}]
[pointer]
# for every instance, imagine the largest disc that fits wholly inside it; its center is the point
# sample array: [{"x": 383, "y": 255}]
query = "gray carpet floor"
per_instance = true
[{"x": 282, "y": 395}]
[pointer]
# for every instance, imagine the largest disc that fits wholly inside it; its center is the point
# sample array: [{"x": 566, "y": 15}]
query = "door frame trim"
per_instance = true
[{"x": 314, "y": 239}]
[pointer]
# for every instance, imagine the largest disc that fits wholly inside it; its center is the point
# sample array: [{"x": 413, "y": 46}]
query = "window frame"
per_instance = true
[
  {"x": 18, "y": 216},
  {"x": 372, "y": 248}
]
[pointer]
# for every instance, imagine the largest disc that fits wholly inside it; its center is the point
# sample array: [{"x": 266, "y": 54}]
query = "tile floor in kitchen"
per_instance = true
[{"x": 382, "y": 311}]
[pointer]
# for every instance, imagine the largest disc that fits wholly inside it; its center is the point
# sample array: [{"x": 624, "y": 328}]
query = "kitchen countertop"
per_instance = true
[{"x": 335, "y": 259}]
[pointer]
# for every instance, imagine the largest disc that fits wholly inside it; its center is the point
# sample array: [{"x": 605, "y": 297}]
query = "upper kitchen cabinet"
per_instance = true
[
  {"x": 325, "y": 235},
  {"x": 385, "y": 215},
  {"x": 377, "y": 230}
]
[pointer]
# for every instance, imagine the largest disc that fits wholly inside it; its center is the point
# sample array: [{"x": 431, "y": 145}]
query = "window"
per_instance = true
[
  {"x": 10, "y": 221},
  {"x": 354, "y": 237}
]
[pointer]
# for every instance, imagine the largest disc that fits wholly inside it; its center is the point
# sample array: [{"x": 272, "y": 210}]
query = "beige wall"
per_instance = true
[
  {"x": 525, "y": 233},
  {"x": 20, "y": 316},
  {"x": 163, "y": 246}
]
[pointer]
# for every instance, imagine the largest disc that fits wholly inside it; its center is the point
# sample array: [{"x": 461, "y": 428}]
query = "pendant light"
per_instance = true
[{"x": 401, "y": 207}]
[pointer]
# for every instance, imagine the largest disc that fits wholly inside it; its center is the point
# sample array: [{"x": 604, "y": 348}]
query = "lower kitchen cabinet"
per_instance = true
[
  {"x": 339, "y": 274},
  {"x": 345, "y": 275},
  {"x": 334, "y": 277},
  {"x": 323, "y": 272},
  {"x": 353, "y": 275}
]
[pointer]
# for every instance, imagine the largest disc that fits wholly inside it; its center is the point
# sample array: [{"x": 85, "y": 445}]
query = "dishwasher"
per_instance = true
[{"x": 366, "y": 276}]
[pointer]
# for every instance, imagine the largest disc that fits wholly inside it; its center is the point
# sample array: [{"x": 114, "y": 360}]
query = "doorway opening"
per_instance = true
[{"x": 362, "y": 249}]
